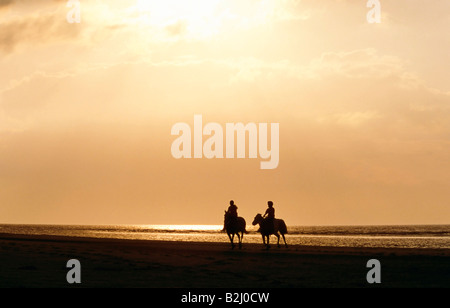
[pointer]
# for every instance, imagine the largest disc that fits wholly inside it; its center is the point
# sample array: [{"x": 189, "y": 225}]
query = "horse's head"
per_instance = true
[{"x": 257, "y": 220}]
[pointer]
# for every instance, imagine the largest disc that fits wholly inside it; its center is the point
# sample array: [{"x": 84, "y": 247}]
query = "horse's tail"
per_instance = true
[
  {"x": 244, "y": 226},
  {"x": 282, "y": 228}
]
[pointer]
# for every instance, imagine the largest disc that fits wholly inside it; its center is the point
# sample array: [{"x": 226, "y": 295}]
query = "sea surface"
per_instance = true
[{"x": 411, "y": 236}]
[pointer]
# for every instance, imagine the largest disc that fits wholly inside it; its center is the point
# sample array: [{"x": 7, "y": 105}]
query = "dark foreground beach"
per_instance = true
[{"x": 40, "y": 261}]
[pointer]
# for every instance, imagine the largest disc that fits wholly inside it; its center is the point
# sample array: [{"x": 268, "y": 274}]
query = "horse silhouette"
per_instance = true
[
  {"x": 265, "y": 228},
  {"x": 234, "y": 226}
]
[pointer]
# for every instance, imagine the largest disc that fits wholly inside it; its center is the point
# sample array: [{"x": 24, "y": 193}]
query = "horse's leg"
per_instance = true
[
  {"x": 278, "y": 237},
  {"x": 240, "y": 240},
  {"x": 284, "y": 239},
  {"x": 231, "y": 236},
  {"x": 268, "y": 245}
]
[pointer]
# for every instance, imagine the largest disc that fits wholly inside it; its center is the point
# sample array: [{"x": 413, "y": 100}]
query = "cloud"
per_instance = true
[
  {"x": 5, "y": 3},
  {"x": 351, "y": 119},
  {"x": 356, "y": 64},
  {"x": 176, "y": 29},
  {"x": 38, "y": 28}
]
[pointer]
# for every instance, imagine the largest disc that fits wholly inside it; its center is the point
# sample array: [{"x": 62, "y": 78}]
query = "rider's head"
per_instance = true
[
  {"x": 231, "y": 202},
  {"x": 270, "y": 203}
]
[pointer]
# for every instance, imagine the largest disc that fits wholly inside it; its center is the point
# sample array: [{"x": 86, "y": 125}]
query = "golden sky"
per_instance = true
[{"x": 86, "y": 110}]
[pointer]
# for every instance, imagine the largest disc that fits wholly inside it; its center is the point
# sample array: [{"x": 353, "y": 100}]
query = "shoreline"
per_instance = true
[{"x": 40, "y": 261}]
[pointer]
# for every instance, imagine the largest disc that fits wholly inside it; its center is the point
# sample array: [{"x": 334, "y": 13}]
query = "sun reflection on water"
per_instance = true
[{"x": 184, "y": 227}]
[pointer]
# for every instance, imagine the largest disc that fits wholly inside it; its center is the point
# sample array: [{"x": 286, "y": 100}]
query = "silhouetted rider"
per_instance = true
[
  {"x": 231, "y": 213},
  {"x": 232, "y": 210},
  {"x": 269, "y": 215}
]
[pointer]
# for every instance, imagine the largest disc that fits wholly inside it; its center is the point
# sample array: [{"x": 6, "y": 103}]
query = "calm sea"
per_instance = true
[{"x": 413, "y": 236}]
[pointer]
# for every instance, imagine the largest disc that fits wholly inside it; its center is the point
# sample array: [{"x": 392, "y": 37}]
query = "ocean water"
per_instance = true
[{"x": 412, "y": 236}]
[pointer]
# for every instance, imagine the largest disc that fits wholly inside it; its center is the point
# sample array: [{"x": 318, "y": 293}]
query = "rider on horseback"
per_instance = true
[
  {"x": 232, "y": 210},
  {"x": 231, "y": 213},
  {"x": 269, "y": 215}
]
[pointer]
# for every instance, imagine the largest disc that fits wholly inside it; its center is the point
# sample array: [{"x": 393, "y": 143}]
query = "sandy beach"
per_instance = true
[{"x": 40, "y": 261}]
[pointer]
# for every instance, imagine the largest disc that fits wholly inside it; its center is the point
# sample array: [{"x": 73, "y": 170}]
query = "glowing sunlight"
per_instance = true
[{"x": 194, "y": 18}]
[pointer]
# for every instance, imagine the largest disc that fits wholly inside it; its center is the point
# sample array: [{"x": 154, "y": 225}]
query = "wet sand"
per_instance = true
[{"x": 40, "y": 261}]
